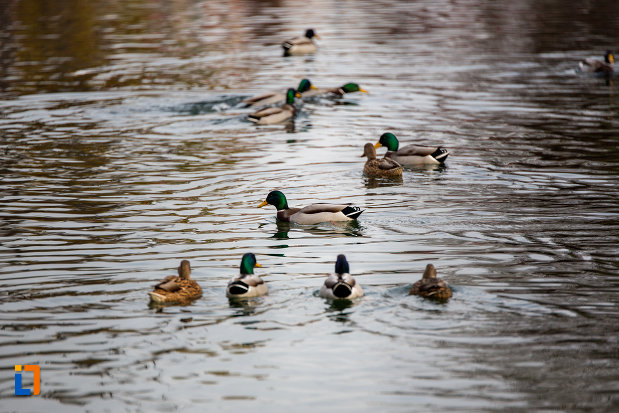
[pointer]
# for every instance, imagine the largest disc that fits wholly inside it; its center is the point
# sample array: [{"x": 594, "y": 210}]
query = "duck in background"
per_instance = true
[
  {"x": 301, "y": 45},
  {"x": 277, "y": 114},
  {"x": 379, "y": 168},
  {"x": 598, "y": 67},
  {"x": 273, "y": 98},
  {"x": 247, "y": 284},
  {"x": 430, "y": 286},
  {"x": 311, "y": 214},
  {"x": 174, "y": 289},
  {"x": 341, "y": 285},
  {"x": 411, "y": 155}
]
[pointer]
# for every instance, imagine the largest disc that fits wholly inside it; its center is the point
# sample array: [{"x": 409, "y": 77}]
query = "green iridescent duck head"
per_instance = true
[
  {"x": 352, "y": 87},
  {"x": 248, "y": 263},
  {"x": 389, "y": 141},
  {"x": 305, "y": 85},
  {"x": 310, "y": 33},
  {"x": 277, "y": 199},
  {"x": 290, "y": 95}
]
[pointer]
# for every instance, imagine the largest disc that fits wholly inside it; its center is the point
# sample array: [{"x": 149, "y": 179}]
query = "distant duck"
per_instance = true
[
  {"x": 276, "y": 114},
  {"x": 411, "y": 155},
  {"x": 341, "y": 284},
  {"x": 598, "y": 67},
  {"x": 312, "y": 214},
  {"x": 335, "y": 91},
  {"x": 273, "y": 98},
  {"x": 247, "y": 284},
  {"x": 430, "y": 286},
  {"x": 179, "y": 289},
  {"x": 385, "y": 167},
  {"x": 301, "y": 45}
]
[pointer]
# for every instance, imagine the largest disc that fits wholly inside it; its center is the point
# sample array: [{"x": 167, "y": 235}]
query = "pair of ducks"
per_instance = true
[
  {"x": 391, "y": 165},
  {"x": 278, "y": 114},
  {"x": 182, "y": 289}
]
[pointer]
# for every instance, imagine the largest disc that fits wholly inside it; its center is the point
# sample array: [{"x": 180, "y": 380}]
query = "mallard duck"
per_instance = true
[
  {"x": 276, "y": 114},
  {"x": 247, "y": 284},
  {"x": 341, "y": 284},
  {"x": 385, "y": 167},
  {"x": 596, "y": 66},
  {"x": 276, "y": 97},
  {"x": 335, "y": 91},
  {"x": 311, "y": 214},
  {"x": 179, "y": 289},
  {"x": 430, "y": 286},
  {"x": 302, "y": 44},
  {"x": 411, "y": 155}
]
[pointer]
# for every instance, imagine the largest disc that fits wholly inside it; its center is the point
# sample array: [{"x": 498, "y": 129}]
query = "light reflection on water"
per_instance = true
[{"x": 142, "y": 157}]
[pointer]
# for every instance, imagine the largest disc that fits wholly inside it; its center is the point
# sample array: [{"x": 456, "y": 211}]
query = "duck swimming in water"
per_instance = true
[
  {"x": 179, "y": 289},
  {"x": 341, "y": 285},
  {"x": 430, "y": 286},
  {"x": 411, "y": 155},
  {"x": 301, "y": 45},
  {"x": 382, "y": 168},
  {"x": 598, "y": 67},
  {"x": 311, "y": 214},
  {"x": 276, "y": 114},
  {"x": 247, "y": 284}
]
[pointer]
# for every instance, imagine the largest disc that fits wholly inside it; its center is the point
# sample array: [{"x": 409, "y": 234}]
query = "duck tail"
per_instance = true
[
  {"x": 156, "y": 297},
  {"x": 342, "y": 290},
  {"x": 352, "y": 212},
  {"x": 440, "y": 155},
  {"x": 237, "y": 288}
]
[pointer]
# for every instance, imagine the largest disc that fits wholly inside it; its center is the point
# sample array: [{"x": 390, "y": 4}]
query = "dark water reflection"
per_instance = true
[{"x": 124, "y": 150}]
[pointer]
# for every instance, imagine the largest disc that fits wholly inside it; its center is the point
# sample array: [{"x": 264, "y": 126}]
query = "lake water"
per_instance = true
[{"x": 124, "y": 151}]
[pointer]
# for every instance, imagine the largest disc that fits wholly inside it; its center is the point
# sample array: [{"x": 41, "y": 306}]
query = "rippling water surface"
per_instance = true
[{"x": 124, "y": 150}]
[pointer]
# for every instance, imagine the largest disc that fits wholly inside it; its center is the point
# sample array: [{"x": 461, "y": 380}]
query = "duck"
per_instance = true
[
  {"x": 272, "y": 98},
  {"x": 311, "y": 214},
  {"x": 174, "y": 289},
  {"x": 277, "y": 114},
  {"x": 598, "y": 67},
  {"x": 341, "y": 285},
  {"x": 411, "y": 155},
  {"x": 430, "y": 286},
  {"x": 385, "y": 167},
  {"x": 301, "y": 45},
  {"x": 247, "y": 284},
  {"x": 335, "y": 91}
]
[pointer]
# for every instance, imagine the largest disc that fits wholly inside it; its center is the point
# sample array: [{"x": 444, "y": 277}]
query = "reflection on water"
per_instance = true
[{"x": 124, "y": 150}]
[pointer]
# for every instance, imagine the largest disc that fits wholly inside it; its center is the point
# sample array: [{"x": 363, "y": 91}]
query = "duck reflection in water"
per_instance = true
[{"x": 349, "y": 229}]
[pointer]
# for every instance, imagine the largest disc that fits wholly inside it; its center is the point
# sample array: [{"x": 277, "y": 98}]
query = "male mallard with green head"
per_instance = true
[
  {"x": 598, "y": 67},
  {"x": 276, "y": 114},
  {"x": 335, "y": 91},
  {"x": 430, "y": 286},
  {"x": 341, "y": 285},
  {"x": 273, "y": 98},
  {"x": 301, "y": 45},
  {"x": 385, "y": 167},
  {"x": 411, "y": 155},
  {"x": 179, "y": 289},
  {"x": 311, "y": 214},
  {"x": 247, "y": 284}
]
